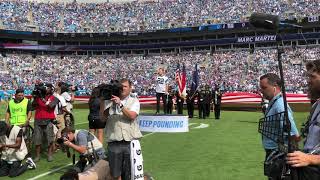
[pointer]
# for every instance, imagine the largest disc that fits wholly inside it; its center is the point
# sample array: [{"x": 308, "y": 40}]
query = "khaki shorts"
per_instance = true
[
  {"x": 61, "y": 124},
  {"x": 43, "y": 129}
]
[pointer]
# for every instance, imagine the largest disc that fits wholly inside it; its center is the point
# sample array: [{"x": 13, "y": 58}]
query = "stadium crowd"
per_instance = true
[
  {"x": 232, "y": 70},
  {"x": 140, "y": 15}
]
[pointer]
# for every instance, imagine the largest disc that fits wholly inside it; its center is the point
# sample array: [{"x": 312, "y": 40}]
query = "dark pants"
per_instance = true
[
  {"x": 12, "y": 170},
  {"x": 202, "y": 110},
  {"x": 180, "y": 107},
  {"x": 309, "y": 173},
  {"x": 119, "y": 159},
  {"x": 268, "y": 152},
  {"x": 190, "y": 107},
  {"x": 207, "y": 106},
  {"x": 164, "y": 101},
  {"x": 217, "y": 109},
  {"x": 169, "y": 107}
]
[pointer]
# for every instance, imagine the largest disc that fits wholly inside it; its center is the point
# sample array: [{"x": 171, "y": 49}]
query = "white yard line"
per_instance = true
[{"x": 49, "y": 172}]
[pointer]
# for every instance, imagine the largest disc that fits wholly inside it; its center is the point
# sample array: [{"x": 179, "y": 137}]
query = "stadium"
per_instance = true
[{"x": 86, "y": 43}]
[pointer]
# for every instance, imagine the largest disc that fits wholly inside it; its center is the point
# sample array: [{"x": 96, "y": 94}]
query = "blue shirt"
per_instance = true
[
  {"x": 276, "y": 106},
  {"x": 313, "y": 139}
]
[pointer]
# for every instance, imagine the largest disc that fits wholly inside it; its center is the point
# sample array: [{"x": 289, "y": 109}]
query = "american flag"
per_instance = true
[{"x": 181, "y": 79}]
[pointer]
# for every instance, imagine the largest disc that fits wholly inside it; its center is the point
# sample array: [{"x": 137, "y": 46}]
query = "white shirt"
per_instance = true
[
  {"x": 162, "y": 82},
  {"x": 67, "y": 97},
  {"x": 62, "y": 103}
]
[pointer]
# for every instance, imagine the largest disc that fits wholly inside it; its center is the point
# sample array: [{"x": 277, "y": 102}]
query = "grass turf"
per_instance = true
[{"x": 230, "y": 148}]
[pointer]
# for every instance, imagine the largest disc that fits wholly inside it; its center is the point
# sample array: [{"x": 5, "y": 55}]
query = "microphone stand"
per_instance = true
[{"x": 290, "y": 171}]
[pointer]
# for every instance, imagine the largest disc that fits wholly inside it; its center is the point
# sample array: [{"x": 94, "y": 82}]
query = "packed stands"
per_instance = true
[
  {"x": 141, "y": 15},
  {"x": 232, "y": 70}
]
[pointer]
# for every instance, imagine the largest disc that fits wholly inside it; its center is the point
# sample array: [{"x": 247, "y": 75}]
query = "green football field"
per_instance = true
[{"x": 228, "y": 149}]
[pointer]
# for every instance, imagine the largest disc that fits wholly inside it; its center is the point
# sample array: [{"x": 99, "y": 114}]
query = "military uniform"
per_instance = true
[
  {"x": 179, "y": 101},
  {"x": 217, "y": 103},
  {"x": 207, "y": 101},
  {"x": 201, "y": 103},
  {"x": 190, "y": 103},
  {"x": 169, "y": 99}
]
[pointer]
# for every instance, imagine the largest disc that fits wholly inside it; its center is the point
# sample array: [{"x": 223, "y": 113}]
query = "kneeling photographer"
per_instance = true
[
  {"x": 85, "y": 143},
  {"x": 121, "y": 110}
]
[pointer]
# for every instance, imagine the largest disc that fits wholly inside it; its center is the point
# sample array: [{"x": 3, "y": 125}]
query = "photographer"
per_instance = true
[
  {"x": 44, "y": 104},
  {"x": 67, "y": 92},
  {"x": 96, "y": 124},
  {"x": 121, "y": 129},
  {"x": 85, "y": 143},
  {"x": 13, "y": 150},
  {"x": 60, "y": 110},
  {"x": 308, "y": 161}
]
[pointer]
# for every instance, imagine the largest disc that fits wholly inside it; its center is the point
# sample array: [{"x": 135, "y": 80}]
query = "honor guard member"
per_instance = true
[
  {"x": 307, "y": 161},
  {"x": 201, "y": 102},
  {"x": 19, "y": 110},
  {"x": 217, "y": 102},
  {"x": 208, "y": 99},
  {"x": 190, "y": 102},
  {"x": 179, "y": 101}
]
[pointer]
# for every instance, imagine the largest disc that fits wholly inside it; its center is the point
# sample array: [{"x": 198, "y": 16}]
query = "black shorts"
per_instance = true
[
  {"x": 96, "y": 124},
  {"x": 119, "y": 159},
  {"x": 309, "y": 173}
]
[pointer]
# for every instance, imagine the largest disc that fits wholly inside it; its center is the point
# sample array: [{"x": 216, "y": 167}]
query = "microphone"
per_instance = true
[{"x": 268, "y": 21}]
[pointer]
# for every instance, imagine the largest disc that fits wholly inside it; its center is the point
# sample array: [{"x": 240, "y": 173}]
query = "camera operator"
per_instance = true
[
  {"x": 270, "y": 86},
  {"x": 308, "y": 161},
  {"x": 85, "y": 143},
  {"x": 44, "y": 104},
  {"x": 121, "y": 129},
  {"x": 13, "y": 150},
  {"x": 19, "y": 110}
]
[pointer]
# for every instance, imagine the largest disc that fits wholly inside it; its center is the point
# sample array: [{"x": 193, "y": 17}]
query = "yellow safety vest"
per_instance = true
[{"x": 18, "y": 112}]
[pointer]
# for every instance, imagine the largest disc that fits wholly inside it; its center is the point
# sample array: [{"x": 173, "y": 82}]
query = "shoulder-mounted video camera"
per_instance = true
[
  {"x": 40, "y": 90},
  {"x": 65, "y": 87},
  {"x": 113, "y": 88}
]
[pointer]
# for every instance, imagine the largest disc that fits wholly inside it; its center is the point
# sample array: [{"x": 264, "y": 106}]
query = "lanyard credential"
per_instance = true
[{"x": 269, "y": 108}]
